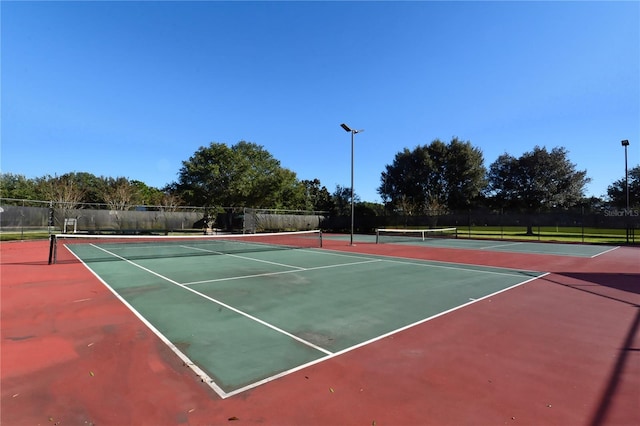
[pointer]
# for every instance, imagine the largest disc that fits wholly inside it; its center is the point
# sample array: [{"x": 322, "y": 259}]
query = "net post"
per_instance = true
[
  {"x": 320, "y": 236},
  {"x": 377, "y": 235},
  {"x": 52, "y": 248}
]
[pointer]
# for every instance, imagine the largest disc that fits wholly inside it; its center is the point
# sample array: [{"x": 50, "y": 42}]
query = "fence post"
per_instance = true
[
  {"x": 50, "y": 222},
  {"x": 582, "y": 222},
  {"x": 22, "y": 222}
]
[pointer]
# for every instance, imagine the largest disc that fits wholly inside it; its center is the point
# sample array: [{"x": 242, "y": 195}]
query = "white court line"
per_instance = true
[
  {"x": 328, "y": 354},
  {"x": 215, "y": 387},
  {"x": 456, "y": 268},
  {"x": 241, "y": 257},
  {"x": 184, "y": 358},
  {"x": 428, "y": 262},
  {"x": 606, "y": 251},
  {"x": 373, "y": 340},
  {"x": 219, "y": 302},
  {"x": 463, "y": 246},
  {"x": 499, "y": 245},
  {"x": 425, "y": 263},
  {"x": 266, "y": 274},
  {"x": 543, "y": 252}
]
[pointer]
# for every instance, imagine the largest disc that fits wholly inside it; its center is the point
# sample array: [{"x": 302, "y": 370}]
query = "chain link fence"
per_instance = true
[
  {"x": 578, "y": 224},
  {"x": 606, "y": 226},
  {"x": 274, "y": 220},
  {"x": 26, "y": 216}
]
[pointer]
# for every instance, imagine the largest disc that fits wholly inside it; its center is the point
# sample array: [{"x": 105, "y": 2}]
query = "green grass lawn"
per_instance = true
[{"x": 26, "y": 235}]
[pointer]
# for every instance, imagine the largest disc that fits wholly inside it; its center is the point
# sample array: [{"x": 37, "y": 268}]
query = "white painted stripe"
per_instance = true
[
  {"x": 266, "y": 274},
  {"x": 465, "y": 268},
  {"x": 427, "y": 262},
  {"x": 375, "y": 339},
  {"x": 221, "y": 303},
  {"x": 328, "y": 355},
  {"x": 241, "y": 257},
  {"x": 499, "y": 245},
  {"x": 606, "y": 251},
  {"x": 184, "y": 358}
]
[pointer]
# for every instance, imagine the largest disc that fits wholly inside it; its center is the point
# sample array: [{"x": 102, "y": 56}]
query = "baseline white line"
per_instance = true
[
  {"x": 184, "y": 358},
  {"x": 435, "y": 316},
  {"x": 375, "y": 339},
  {"x": 266, "y": 274},
  {"x": 604, "y": 252}
]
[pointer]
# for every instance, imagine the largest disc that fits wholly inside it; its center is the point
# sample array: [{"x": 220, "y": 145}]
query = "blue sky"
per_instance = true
[{"x": 134, "y": 88}]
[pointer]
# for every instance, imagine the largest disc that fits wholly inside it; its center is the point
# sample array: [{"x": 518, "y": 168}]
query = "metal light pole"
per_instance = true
[
  {"x": 625, "y": 143},
  {"x": 353, "y": 132}
]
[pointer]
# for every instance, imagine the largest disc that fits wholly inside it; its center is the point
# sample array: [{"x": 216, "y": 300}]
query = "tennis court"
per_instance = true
[
  {"x": 243, "y": 311},
  {"x": 450, "y": 238},
  {"x": 307, "y": 329}
]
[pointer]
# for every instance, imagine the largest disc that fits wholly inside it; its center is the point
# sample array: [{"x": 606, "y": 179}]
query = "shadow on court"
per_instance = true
[{"x": 618, "y": 287}]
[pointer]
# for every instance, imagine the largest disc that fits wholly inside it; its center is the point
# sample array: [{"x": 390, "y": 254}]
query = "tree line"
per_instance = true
[{"x": 433, "y": 177}]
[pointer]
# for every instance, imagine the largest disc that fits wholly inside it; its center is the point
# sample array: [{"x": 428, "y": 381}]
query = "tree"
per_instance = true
[
  {"x": 504, "y": 181},
  {"x": 406, "y": 184},
  {"x": 93, "y": 187},
  {"x": 617, "y": 191},
  {"x": 341, "y": 200},
  {"x": 465, "y": 174},
  {"x": 317, "y": 197},
  {"x": 538, "y": 180},
  {"x": 243, "y": 175},
  {"x": 367, "y": 208},
  {"x": 170, "y": 201},
  {"x": 280, "y": 190},
  {"x": 120, "y": 194},
  {"x": 433, "y": 177},
  {"x": 148, "y": 195},
  {"x": 17, "y": 186},
  {"x": 594, "y": 204},
  {"x": 64, "y": 190}
]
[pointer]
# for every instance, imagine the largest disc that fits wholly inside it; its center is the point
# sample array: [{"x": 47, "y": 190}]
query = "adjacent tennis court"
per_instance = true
[
  {"x": 243, "y": 310},
  {"x": 451, "y": 238}
]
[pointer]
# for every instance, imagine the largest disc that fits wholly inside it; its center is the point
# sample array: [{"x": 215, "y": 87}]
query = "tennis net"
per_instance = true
[
  {"x": 387, "y": 235},
  {"x": 94, "y": 248}
]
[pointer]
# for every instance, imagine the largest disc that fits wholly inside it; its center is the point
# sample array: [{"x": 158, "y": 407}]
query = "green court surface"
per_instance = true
[
  {"x": 557, "y": 249},
  {"x": 245, "y": 318}
]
